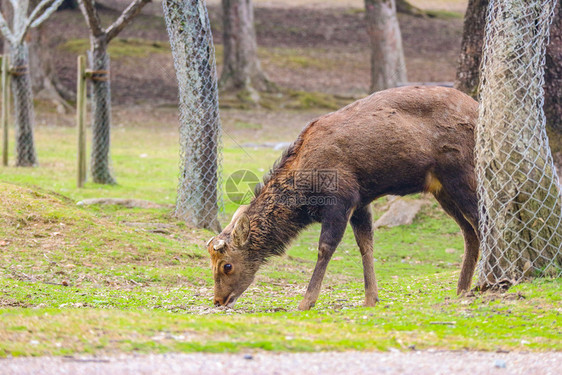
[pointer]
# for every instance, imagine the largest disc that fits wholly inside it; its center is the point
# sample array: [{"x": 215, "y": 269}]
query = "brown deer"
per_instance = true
[{"x": 398, "y": 141}]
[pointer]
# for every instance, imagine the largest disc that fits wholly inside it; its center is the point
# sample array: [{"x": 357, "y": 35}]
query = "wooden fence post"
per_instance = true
[{"x": 80, "y": 120}]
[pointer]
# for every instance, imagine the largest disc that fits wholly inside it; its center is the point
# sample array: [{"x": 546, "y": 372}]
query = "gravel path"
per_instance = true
[{"x": 325, "y": 363}]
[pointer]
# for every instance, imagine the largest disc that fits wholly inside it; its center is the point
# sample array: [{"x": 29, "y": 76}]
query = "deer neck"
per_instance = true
[{"x": 275, "y": 219}]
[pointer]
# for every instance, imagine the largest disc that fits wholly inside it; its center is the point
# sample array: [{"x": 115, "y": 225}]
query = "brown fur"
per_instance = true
[{"x": 398, "y": 141}]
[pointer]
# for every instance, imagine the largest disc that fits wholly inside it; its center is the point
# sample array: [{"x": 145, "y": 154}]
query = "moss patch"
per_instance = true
[{"x": 120, "y": 47}]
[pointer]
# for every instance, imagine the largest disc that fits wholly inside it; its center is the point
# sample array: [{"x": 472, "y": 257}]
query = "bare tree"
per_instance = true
[
  {"x": 241, "y": 68},
  {"x": 388, "y": 66},
  {"x": 21, "y": 80},
  {"x": 99, "y": 65},
  {"x": 468, "y": 71}
]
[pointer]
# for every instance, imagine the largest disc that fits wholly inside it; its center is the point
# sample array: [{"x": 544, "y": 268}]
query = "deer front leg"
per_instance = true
[
  {"x": 333, "y": 228},
  {"x": 362, "y": 224}
]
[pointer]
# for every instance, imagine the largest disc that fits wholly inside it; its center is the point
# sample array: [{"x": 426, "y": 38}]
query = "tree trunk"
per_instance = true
[
  {"x": 194, "y": 60},
  {"x": 553, "y": 83},
  {"x": 468, "y": 71},
  {"x": 43, "y": 76},
  {"x": 388, "y": 67},
  {"x": 23, "y": 106},
  {"x": 101, "y": 117},
  {"x": 522, "y": 226},
  {"x": 241, "y": 67}
]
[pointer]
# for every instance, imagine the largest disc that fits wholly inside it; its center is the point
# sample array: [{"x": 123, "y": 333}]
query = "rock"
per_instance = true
[
  {"x": 400, "y": 212},
  {"x": 500, "y": 363}
]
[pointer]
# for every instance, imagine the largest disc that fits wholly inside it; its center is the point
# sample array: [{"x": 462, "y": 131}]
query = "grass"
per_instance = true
[{"x": 79, "y": 279}]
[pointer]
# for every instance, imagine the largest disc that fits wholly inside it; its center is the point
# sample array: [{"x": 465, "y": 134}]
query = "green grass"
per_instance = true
[{"x": 77, "y": 279}]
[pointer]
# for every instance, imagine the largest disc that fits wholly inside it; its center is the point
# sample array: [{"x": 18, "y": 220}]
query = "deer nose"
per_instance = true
[{"x": 219, "y": 302}]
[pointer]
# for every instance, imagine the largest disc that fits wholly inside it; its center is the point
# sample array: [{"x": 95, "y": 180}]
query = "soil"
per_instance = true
[{"x": 330, "y": 44}]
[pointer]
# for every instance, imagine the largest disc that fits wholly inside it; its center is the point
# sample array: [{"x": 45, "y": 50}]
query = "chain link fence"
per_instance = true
[
  {"x": 24, "y": 113},
  {"x": 520, "y": 193},
  {"x": 199, "y": 199},
  {"x": 101, "y": 116}
]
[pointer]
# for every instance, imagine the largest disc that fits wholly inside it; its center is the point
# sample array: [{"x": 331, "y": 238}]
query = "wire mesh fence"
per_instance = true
[
  {"x": 23, "y": 105},
  {"x": 101, "y": 117},
  {"x": 520, "y": 193},
  {"x": 199, "y": 197}
]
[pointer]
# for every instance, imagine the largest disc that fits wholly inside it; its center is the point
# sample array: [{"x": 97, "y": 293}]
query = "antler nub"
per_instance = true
[{"x": 219, "y": 245}]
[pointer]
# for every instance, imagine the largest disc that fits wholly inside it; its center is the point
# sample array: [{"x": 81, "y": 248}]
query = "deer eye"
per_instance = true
[{"x": 227, "y": 268}]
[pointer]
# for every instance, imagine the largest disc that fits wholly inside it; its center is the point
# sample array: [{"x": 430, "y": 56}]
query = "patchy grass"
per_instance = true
[
  {"x": 77, "y": 279},
  {"x": 120, "y": 47}
]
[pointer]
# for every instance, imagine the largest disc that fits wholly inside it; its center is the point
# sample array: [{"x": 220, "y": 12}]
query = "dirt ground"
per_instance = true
[
  {"x": 325, "y": 363},
  {"x": 312, "y": 48}
]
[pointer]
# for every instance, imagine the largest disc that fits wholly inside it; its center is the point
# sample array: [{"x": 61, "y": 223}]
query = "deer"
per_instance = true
[{"x": 398, "y": 141}]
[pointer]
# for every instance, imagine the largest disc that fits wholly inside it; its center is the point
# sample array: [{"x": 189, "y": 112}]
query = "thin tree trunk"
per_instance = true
[
  {"x": 388, "y": 66},
  {"x": 23, "y": 106},
  {"x": 101, "y": 117},
  {"x": 241, "y": 68},
  {"x": 99, "y": 65},
  {"x": 468, "y": 71},
  {"x": 22, "y": 95}
]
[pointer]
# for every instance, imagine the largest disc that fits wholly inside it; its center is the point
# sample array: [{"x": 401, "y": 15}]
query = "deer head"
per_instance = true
[{"x": 233, "y": 270}]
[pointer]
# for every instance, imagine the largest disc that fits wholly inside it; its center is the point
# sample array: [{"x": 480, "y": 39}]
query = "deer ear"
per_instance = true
[{"x": 241, "y": 231}]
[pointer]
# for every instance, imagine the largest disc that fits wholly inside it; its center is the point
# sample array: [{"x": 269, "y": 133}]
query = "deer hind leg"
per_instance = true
[
  {"x": 467, "y": 219},
  {"x": 333, "y": 228},
  {"x": 362, "y": 224}
]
